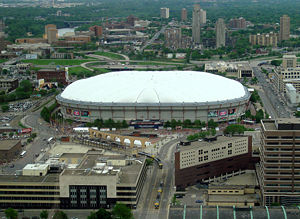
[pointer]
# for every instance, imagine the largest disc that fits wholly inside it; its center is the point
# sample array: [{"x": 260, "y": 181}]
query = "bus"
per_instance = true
[{"x": 23, "y": 153}]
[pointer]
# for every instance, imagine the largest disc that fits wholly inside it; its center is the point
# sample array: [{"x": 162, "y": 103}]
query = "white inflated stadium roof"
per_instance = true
[{"x": 154, "y": 87}]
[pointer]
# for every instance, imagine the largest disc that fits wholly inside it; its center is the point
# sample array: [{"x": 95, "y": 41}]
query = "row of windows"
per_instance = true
[
  {"x": 27, "y": 187},
  {"x": 27, "y": 198}
]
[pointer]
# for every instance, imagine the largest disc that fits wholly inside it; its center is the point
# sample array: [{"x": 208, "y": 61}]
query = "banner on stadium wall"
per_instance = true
[
  {"x": 222, "y": 112},
  {"x": 85, "y": 113},
  {"x": 231, "y": 111},
  {"x": 213, "y": 113},
  {"x": 69, "y": 111},
  {"x": 76, "y": 113}
]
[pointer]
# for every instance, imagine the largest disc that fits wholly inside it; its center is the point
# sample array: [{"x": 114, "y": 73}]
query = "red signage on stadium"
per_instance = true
[{"x": 28, "y": 130}]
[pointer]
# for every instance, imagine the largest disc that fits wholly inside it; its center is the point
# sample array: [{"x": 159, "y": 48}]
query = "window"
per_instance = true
[
  {"x": 200, "y": 151},
  {"x": 200, "y": 159},
  {"x": 229, "y": 145},
  {"x": 229, "y": 152},
  {"x": 206, "y": 157}
]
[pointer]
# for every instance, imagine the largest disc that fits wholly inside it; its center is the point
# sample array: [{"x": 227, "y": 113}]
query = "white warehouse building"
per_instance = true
[{"x": 154, "y": 95}]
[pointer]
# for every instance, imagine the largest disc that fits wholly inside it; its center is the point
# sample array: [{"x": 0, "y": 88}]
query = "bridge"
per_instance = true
[{"x": 124, "y": 140}]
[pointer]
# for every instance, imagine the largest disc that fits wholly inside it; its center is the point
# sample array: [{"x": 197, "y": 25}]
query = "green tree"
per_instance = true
[
  {"x": 11, "y": 134},
  {"x": 124, "y": 124},
  {"x": 198, "y": 123},
  {"x": 60, "y": 215},
  {"x": 276, "y": 62},
  {"x": 5, "y": 108},
  {"x": 11, "y": 213},
  {"x": 187, "y": 123},
  {"x": 149, "y": 162},
  {"x": 121, "y": 211},
  {"x": 173, "y": 124},
  {"x": 45, "y": 114},
  {"x": 26, "y": 85},
  {"x": 44, "y": 214},
  {"x": 234, "y": 128},
  {"x": 212, "y": 124},
  {"x": 100, "y": 214}
]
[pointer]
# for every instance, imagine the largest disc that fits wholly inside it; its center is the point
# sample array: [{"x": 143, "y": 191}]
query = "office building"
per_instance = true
[
  {"x": 279, "y": 167},
  {"x": 97, "y": 30},
  {"x": 173, "y": 38},
  {"x": 2, "y": 26},
  {"x": 205, "y": 161},
  {"x": 288, "y": 73},
  {"x": 9, "y": 84},
  {"x": 9, "y": 150},
  {"x": 51, "y": 33},
  {"x": 164, "y": 13},
  {"x": 196, "y": 25},
  {"x": 183, "y": 14},
  {"x": 101, "y": 181},
  {"x": 53, "y": 75},
  {"x": 220, "y": 33},
  {"x": 232, "y": 69},
  {"x": 292, "y": 95},
  {"x": 270, "y": 39},
  {"x": 284, "y": 28},
  {"x": 237, "y": 23},
  {"x": 202, "y": 16}
]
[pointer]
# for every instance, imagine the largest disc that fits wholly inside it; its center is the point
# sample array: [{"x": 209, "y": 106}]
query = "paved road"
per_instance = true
[
  {"x": 162, "y": 30},
  {"x": 146, "y": 208},
  {"x": 273, "y": 103}
]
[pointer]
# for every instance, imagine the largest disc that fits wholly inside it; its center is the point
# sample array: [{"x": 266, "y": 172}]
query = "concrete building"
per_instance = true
[
  {"x": 284, "y": 28},
  {"x": 97, "y": 30},
  {"x": 270, "y": 39},
  {"x": 60, "y": 55},
  {"x": 183, "y": 14},
  {"x": 78, "y": 38},
  {"x": 233, "y": 69},
  {"x": 204, "y": 161},
  {"x": 288, "y": 73},
  {"x": 102, "y": 181},
  {"x": 220, "y": 33},
  {"x": 35, "y": 170},
  {"x": 202, "y": 16},
  {"x": 51, "y": 33},
  {"x": 292, "y": 94},
  {"x": 29, "y": 192},
  {"x": 173, "y": 38},
  {"x": 2, "y": 26},
  {"x": 53, "y": 75},
  {"x": 9, "y": 150},
  {"x": 9, "y": 84},
  {"x": 164, "y": 13},
  {"x": 30, "y": 40},
  {"x": 280, "y": 162},
  {"x": 196, "y": 24},
  {"x": 237, "y": 23}
]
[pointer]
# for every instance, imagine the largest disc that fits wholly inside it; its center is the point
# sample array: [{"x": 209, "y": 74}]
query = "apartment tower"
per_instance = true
[
  {"x": 284, "y": 28},
  {"x": 220, "y": 33},
  {"x": 183, "y": 14},
  {"x": 196, "y": 24}
]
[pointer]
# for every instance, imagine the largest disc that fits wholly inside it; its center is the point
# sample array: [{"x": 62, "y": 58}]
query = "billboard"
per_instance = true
[
  {"x": 223, "y": 113},
  {"x": 231, "y": 111},
  {"x": 213, "y": 113},
  {"x": 76, "y": 113},
  {"x": 85, "y": 113},
  {"x": 69, "y": 111}
]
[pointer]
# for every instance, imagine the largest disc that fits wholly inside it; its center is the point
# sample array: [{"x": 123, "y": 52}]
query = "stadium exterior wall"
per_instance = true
[{"x": 218, "y": 111}]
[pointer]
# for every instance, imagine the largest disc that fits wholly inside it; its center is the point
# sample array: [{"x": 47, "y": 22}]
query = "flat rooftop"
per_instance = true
[
  {"x": 281, "y": 124},
  {"x": 232, "y": 198},
  {"x": 247, "y": 179},
  {"x": 203, "y": 143},
  {"x": 129, "y": 174},
  {"x": 8, "y": 144},
  {"x": 4, "y": 179}
]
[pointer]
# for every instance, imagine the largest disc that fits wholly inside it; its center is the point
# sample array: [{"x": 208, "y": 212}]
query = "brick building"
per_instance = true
[
  {"x": 9, "y": 150},
  {"x": 53, "y": 75}
]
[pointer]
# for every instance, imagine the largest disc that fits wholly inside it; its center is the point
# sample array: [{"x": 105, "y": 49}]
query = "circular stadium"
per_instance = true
[{"x": 154, "y": 95}]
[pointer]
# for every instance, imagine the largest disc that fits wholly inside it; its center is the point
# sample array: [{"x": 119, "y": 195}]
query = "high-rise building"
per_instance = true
[
  {"x": 202, "y": 16},
  {"x": 284, "y": 28},
  {"x": 237, "y": 23},
  {"x": 51, "y": 33},
  {"x": 183, "y": 14},
  {"x": 164, "y": 13},
  {"x": 196, "y": 26},
  {"x": 173, "y": 38},
  {"x": 289, "y": 61},
  {"x": 98, "y": 31},
  {"x": 279, "y": 167},
  {"x": 220, "y": 33},
  {"x": 2, "y": 26}
]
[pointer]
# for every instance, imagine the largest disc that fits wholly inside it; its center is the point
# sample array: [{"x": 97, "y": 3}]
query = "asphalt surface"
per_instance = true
[
  {"x": 146, "y": 208},
  {"x": 273, "y": 103}
]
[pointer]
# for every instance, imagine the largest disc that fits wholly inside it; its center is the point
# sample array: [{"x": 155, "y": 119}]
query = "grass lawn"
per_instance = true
[
  {"x": 110, "y": 55},
  {"x": 3, "y": 60},
  {"x": 57, "y": 61},
  {"x": 82, "y": 72}
]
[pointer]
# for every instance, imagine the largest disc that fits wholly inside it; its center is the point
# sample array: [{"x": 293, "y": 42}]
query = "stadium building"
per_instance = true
[{"x": 154, "y": 95}]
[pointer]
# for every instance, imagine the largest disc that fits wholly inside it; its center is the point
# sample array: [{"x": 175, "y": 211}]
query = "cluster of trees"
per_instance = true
[
  {"x": 201, "y": 135},
  {"x": 255, "y": 97},
  {"x": 276, "y": 62},
  {"x": 22, "y": 92},
  {"x": 189, "y": 124},
  {"x": 110, "y": 123},
  {"x": 46, "y": 111},
  {"x": 120, "y": 211},
  {"x": 257, "y": 117},
  {"x": 235, "y": 128}
]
